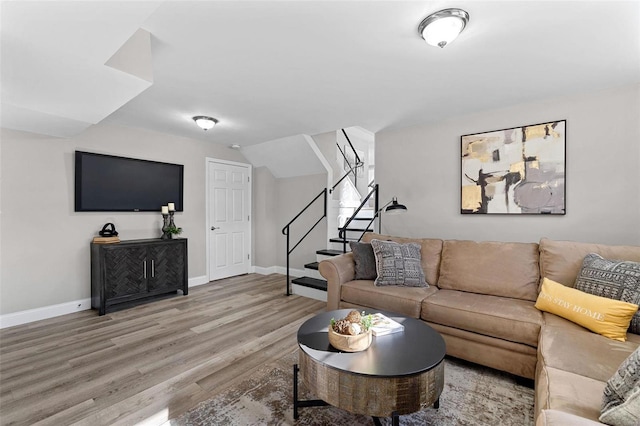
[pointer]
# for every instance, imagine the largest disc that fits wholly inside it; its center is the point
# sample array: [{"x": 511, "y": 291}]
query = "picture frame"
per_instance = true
[{"x": 514, "y": 171}]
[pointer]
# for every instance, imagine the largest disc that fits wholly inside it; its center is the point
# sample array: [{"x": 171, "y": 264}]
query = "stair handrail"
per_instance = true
[
  {"x": 343, "y": 177},
  {"x": 357, "y": 160},
  {"x": 287, "y": 228},
  {"x": 342, "y": 231}
]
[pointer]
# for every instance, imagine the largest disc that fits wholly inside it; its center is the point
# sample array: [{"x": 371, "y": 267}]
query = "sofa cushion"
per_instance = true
[
  {"x": 569, "y": 392},
  {"x": 364, "y": 259},
  {"x": 514, "y": 358},
  {"x": 398, "y": 264},
  {"x": 602, "y": 315},
  {"x": 561, "y": 261},
  {"x": 430, "y": 250},
  {"x": 509, "y": 319},
  {"x": 403, "y": 300},
  {"x": 615, "y": 279},
  {"x": 569, "y": 347},
  {"x": 621, "y": 403},
  {"x": 560, "y": 418},
  {"x": 495, "y": 268}
]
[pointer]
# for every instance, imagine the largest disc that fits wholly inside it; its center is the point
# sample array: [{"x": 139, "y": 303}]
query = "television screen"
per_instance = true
[{"x": 108, "y": 183}]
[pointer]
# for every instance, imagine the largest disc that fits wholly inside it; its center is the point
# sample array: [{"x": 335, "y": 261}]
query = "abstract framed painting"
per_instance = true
[{"x": 520, "y": 170}]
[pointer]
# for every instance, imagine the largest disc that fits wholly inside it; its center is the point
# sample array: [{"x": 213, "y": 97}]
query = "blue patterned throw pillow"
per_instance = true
[{"x": 398, "y": 264}]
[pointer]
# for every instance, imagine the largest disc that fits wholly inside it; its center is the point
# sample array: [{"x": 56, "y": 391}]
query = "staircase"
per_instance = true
[
  {"x": 313, "y": 285},
  {"x": 356, "y": 221}
]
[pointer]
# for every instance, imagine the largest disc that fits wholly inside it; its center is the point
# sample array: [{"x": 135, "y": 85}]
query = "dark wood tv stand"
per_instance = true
[{"x": 136, "y": 271}]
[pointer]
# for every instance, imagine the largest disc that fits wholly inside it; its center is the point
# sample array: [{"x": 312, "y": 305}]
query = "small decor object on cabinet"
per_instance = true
[
  {"x": 169, "y": 228},
  {"x": 520, "y": 170},
  {"x": 165, "y": 223},
  {"x": 106, "y": 240},
  {"x": 108, "y": 230},
  {"x": 108, "y": 235}
]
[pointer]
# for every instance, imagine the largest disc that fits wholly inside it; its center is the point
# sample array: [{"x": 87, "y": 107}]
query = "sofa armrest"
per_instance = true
[{"x": 337, "y": 271}]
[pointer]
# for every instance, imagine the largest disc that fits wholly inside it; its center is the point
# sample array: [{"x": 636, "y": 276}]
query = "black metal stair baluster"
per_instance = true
[{"x": 287, "y": 229}]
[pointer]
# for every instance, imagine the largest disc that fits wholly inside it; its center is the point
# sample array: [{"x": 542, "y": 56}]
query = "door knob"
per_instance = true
[{"x": 213, "y": 228}]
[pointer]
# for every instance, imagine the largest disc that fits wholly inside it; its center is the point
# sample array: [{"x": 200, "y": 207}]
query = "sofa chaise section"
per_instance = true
[{"x": 573, "y": 363}]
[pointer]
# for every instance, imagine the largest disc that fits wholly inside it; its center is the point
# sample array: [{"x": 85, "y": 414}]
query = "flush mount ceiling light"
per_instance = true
[
  {"x": 441, "y": 28},
  {"x": 204, "y": 122}
]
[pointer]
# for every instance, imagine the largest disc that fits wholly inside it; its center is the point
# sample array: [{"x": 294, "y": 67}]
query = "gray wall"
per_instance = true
[
  {"x": 292, "y": 195},
  {"x": 45, "y": 244},
  {"x": 266, "y": 229},
  {"x": 421, "y": 166}
]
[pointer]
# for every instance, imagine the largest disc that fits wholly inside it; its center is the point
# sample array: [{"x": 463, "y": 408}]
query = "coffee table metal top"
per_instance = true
[{"x": 416, "y": 349}]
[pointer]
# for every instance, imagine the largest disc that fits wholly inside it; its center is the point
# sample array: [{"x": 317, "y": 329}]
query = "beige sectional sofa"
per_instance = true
[{"x": 482, "y": 298}]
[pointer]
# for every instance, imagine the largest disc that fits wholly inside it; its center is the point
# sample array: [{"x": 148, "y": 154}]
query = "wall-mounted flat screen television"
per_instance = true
[{"x": 106, "y": 183}]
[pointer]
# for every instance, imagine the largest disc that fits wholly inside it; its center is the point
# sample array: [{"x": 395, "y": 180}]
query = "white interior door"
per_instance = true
[{"x": 229, "y": 218}]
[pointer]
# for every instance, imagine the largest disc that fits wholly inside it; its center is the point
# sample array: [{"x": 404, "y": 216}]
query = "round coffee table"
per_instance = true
[{"x": 399, "y": 374}]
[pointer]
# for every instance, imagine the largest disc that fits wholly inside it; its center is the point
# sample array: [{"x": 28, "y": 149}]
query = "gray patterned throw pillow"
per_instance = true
[
  {"x": 614, "y": 279},
  {"x": 398, "y": 264},
  {"x": 621, "y": 399}
]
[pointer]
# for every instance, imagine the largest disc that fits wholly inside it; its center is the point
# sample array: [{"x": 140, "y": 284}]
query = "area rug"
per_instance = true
[{"x": 472, "y": 395}]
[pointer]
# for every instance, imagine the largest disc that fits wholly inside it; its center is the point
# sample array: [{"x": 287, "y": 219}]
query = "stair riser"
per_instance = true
[
  {"x": 311, "y": 293},
  {"x": 313, "y": 273},
  {"x": 365, "y": 213},
  {"x": 321, "y": 257},
  {"x": 354, "y": 234},
  {"x": 338, "y": 246}
]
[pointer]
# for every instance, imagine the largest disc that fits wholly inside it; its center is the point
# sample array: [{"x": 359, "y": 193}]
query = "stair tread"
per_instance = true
[
  {"x": 357, "y": 229},
  {"x": 311, "y": 283},
  {"x": 330, "y": 252},
  {"x": 312, "y": 265},
  {"x": 340, "y": 240}
]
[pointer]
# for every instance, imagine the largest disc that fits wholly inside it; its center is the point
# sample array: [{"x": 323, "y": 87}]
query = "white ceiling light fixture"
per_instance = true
[
  {"x": 441, "y": 28},
  {"x": 204, "y": 122}
]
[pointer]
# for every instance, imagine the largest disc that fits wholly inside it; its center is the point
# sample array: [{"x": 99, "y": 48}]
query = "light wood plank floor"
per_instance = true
[{"x": 149, "y": 363}]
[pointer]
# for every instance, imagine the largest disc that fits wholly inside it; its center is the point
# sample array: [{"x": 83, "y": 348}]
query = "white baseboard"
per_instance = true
[
  {"x": 196, "y": 281},
  {"x": 292, "y": 272},
  {"x": 278, "y": 270},
  {"x": 37, "y": 314},
  {"x": 265, "y": 271}
]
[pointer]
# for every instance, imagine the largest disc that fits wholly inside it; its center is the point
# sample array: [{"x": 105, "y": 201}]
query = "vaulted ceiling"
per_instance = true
[{"x": 273, "y": 69}]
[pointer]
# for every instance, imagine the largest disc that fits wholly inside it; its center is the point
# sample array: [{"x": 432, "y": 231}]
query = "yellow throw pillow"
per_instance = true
[{"x": 602, "y": 315}]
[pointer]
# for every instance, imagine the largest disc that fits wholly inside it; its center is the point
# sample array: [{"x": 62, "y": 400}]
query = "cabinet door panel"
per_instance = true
[
  {"x": 124, "y": 270},
  {"x": 168, "y": 267}
]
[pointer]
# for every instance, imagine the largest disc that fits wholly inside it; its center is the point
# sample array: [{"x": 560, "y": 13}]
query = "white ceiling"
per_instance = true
[
  {"x": 285, "y": 157},
  {"x": 273, "y": 69}
]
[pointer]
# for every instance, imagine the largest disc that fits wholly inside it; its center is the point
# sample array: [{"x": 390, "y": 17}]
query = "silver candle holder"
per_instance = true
[{"x": 165, "y": 226}]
